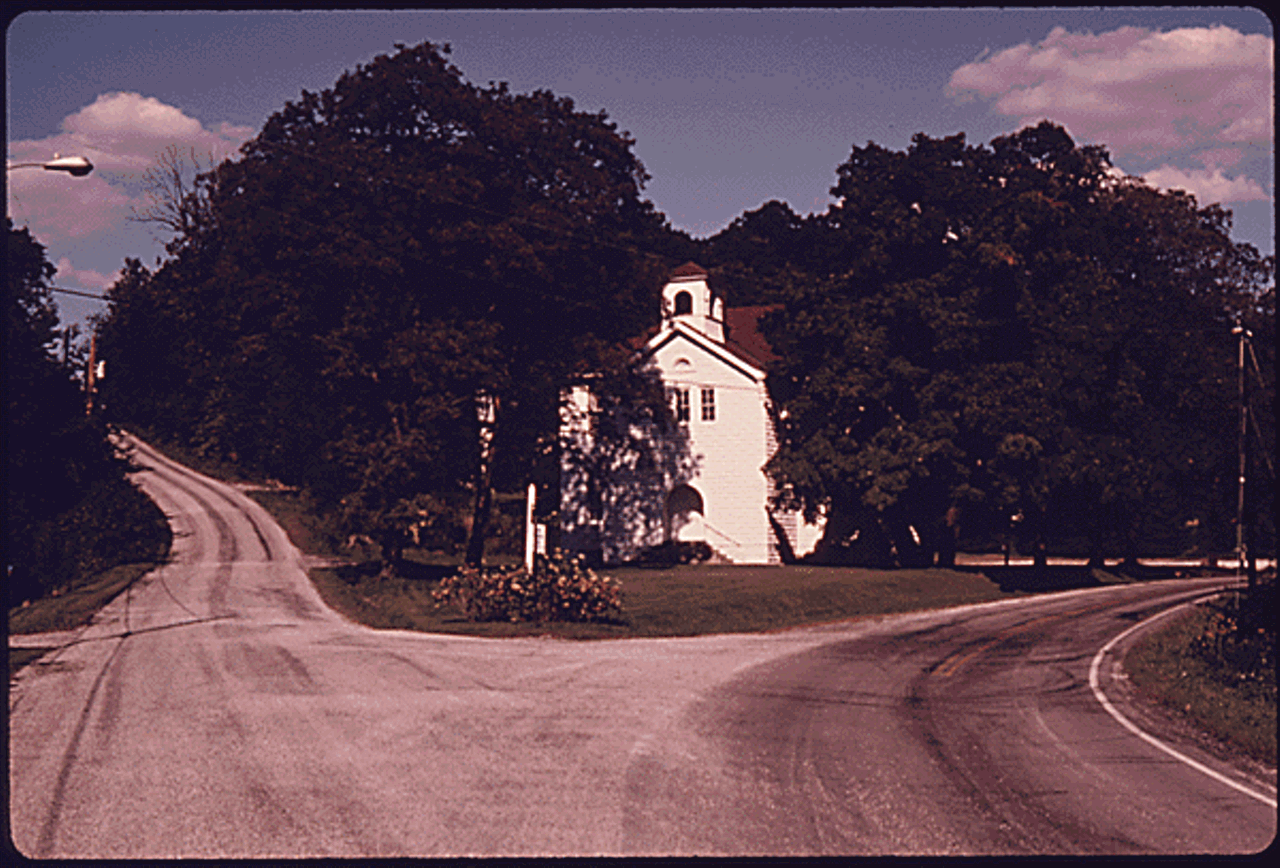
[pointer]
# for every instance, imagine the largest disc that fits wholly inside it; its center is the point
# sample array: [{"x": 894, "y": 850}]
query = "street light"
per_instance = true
[{"x": 76, "y": 166}]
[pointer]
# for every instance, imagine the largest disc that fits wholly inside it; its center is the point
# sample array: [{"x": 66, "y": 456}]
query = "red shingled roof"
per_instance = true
[
  {"x": 742, "y": 333},
  {"x": 741, "y": 326},
  {"x": 690, "y": 269}
]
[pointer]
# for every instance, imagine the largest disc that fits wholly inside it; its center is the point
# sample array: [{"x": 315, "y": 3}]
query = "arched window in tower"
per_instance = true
[{"x": 684, "y": 303}]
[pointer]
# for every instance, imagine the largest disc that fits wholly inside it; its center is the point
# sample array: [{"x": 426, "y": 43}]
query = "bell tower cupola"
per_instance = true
[{"x": 688, "y": 299}]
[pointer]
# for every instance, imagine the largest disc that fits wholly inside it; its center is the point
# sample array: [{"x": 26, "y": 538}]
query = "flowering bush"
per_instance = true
[
  {"x": 1239, "y": 639},
  {"x": 560, "y": 589}
]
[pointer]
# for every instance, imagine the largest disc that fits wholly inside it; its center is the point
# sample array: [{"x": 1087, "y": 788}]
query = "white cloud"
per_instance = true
[
  {"x": 1207, "y": 185},
  {"x": 57, "y": 207},
  {"x": 86, "y": 277},
  {"x": 121, "y": 134},
  {"x": 1139, "y": 92}
]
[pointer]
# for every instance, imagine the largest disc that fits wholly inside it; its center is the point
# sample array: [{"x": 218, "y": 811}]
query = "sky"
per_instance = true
[{"x": 729, "y": 109}]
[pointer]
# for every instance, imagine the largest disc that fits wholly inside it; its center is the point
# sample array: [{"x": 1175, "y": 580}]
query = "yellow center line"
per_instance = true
[{"x": 950, "y": 664}]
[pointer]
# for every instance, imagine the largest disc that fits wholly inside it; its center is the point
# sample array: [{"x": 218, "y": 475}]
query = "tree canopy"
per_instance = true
[
  {"x": 394, "y": 270},
  {"x": 1012, "y": 342},
  {"x": 384, "y": 296},
  {"x": 68, "y": 510}
]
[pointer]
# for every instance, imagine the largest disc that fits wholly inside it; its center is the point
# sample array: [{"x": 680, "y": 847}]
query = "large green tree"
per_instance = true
[
  {"x": 44, "y": 411},
  {"x": 383, "y": 295},
  {"x": 68, "y": 510},
  {"x": 757, "y": 254},
  {"x": 1009, "y": 341}
]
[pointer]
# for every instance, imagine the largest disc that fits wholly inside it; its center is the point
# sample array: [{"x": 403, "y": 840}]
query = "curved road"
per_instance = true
[{"x": 219, "y": 709}]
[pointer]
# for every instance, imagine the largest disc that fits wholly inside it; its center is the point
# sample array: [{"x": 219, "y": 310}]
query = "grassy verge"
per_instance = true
[
  {"x": 20, "y": 657},
  {"x": 678, "y": 601},
  {"x": 293, "y": 511},
  {"x": 681, "y": 601},
  {"x": 1233, "y": 697},
  {"x": 67, "y": 610},
  {"x": 73, "y": 608}
]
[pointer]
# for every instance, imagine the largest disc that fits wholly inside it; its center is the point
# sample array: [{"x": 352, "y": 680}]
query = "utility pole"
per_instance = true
[
  {"x": 1244, "y": 557},
  {"x": 90, "y": 375}
]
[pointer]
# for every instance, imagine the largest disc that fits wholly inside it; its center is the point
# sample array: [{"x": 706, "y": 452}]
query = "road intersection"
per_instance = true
[{"x": 219, "y": 709}]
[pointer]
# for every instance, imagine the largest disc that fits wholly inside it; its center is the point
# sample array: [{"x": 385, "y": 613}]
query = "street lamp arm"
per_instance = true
[{"x": 76, "y": 166}]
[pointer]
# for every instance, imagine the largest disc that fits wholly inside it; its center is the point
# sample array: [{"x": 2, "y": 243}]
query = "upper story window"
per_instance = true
[
  {"x": 708, "y": 405},
  {"x": 684, "y": 302},
  {"x": 681, "y": 404}
]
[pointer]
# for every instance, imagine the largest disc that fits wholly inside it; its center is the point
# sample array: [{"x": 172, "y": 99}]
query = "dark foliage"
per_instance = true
[
  {"x": 69, "y": 511},
  {"x": 1010, "y": 344},
  {"x": 383, "y": 297},
  {"x": 1239, "y": 641}
]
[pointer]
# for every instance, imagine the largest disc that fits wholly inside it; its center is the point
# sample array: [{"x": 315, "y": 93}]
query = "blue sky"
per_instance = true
[{"x": 729, "y": 108}]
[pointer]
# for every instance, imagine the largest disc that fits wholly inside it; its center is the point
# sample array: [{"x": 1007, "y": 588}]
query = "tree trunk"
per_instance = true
[
  {"x": 949, "y": 538},
  {"x": 480, "y": 520},
  {"x": 487, "y": 417},
  {"x": 392, "y": 556}
]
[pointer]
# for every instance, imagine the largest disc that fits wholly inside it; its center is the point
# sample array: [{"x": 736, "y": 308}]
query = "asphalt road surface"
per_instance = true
[{"x": 219, "y": 709}]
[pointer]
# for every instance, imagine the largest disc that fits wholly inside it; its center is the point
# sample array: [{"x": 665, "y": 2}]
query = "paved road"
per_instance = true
[{"x": 219, "y": 709}]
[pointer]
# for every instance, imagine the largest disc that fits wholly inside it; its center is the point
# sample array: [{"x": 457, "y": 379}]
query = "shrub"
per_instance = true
[
  {"x": 671, "y": 553},
  {"x": 1239, "y": 641},
  {"x": 113, "y": 524},
  {"x": 560, "y": 589}
]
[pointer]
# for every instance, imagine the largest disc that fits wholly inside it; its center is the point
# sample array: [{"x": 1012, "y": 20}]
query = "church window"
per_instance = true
[
  {"x": 681, "y": 405},
  {"x": 684, "y": 303},
  {"x": 708, "y": 405}
]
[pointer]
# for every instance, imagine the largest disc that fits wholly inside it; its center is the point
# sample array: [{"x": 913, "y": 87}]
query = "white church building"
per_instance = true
[{"x": 705, "y": 484}]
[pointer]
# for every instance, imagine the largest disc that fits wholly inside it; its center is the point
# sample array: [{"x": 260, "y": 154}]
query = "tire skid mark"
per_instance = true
[
  {"x": 165, "y": 585},
  {"x": 248, "y": 515},
  {"x": 946, "y": 668},
  {"x": 283, "y": 671},
  {"x": 112, "y": 697},
  {"x": 269, "y": 669},
  {"x": 49, "y": 829},
  {"x": 191, "y": 476},
  {"x": 971, "y": 775},
  {"x": 946, "y": 723},
  {"x": 203, "y": 491},
  {"x": 228, "y": 549},
  {"x": 255, "y": 787}
]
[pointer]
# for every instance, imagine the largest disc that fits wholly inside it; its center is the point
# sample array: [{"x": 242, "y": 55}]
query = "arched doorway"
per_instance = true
[{"x": 684, "y": 515}]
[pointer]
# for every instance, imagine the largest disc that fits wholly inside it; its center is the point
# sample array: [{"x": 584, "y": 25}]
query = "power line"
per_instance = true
[{"x": 78, "y": 292}]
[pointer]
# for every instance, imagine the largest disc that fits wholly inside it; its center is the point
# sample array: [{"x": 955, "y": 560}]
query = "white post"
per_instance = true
[{"x": 528, "y": 528}]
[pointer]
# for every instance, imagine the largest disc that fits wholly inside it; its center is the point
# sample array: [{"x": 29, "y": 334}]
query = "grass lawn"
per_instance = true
[
  {"x": 1234, "y": 705},
  {"x": 674, "y": 601},
  {"x": 677, "y": 601},
  {"x": 74, "y": 608},
  {"x": 68, "y": 610}
]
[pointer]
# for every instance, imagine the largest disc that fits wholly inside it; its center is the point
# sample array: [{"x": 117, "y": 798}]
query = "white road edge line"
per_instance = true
[{"x": 1094, "y": 669}]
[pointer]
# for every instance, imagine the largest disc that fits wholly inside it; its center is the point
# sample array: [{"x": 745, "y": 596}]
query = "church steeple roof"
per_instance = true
[{"x": 689, "y": 269}]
